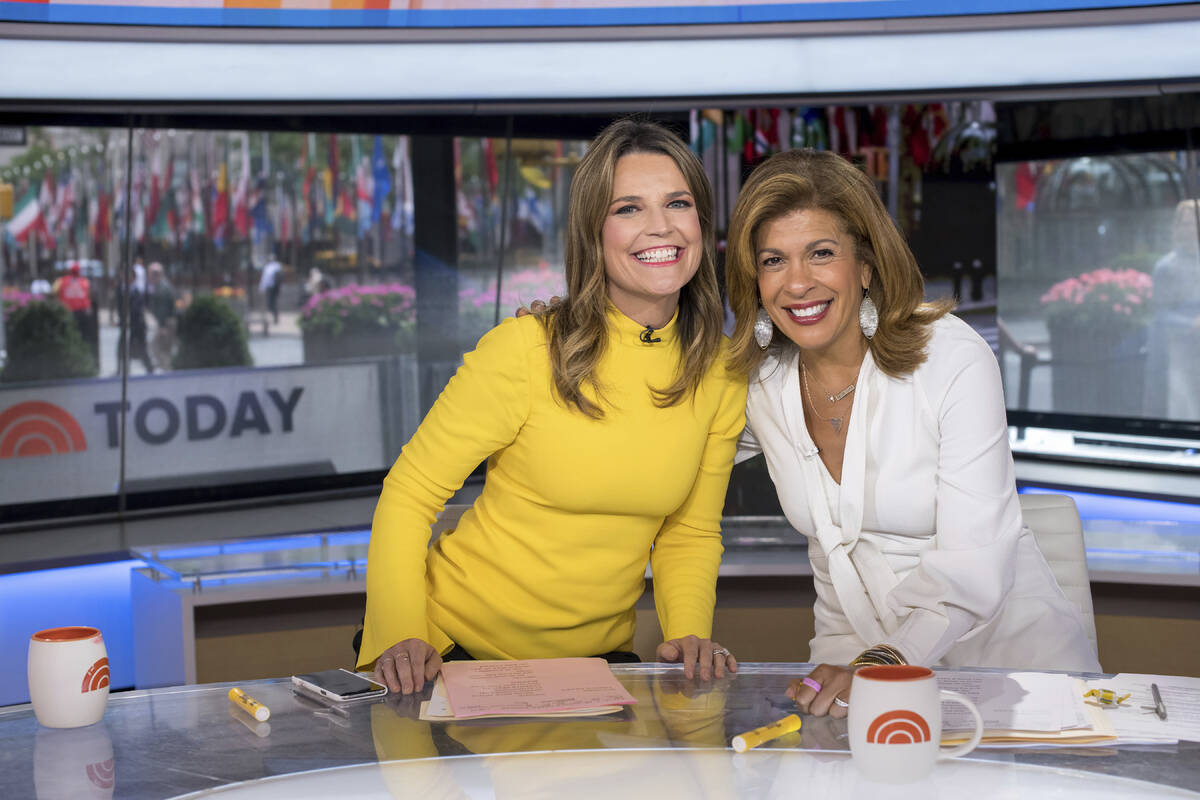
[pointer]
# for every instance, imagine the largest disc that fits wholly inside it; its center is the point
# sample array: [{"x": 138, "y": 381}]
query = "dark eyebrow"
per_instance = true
[
  {"x": 816, "y": 242},
  {"x": 809, "y": 246},
  {"x": 633, "y": 198}
]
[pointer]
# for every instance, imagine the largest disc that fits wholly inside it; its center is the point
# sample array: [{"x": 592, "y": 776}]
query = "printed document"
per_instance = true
[
  {"x": 1136, "y": 722},
  {"x": 532, "y": 687},
  {"x": 1022, "y": 707}
]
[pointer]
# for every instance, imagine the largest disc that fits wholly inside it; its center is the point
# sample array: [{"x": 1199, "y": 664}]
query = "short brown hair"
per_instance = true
[
  {"x": 799, "y": 180},
  {"x": 578, "y": 327}
]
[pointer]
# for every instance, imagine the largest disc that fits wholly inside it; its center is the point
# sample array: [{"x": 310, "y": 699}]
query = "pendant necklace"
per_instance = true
[{"x": 835, "y": 422}]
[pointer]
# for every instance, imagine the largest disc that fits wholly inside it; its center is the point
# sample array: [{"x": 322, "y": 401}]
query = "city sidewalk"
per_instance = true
[{"x": 280, "y": 345}]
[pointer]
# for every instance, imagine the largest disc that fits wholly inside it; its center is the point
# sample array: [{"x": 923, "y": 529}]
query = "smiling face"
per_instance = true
[
  {"x": 651, "y": 236},
  {"x": 811, "y": 282}
]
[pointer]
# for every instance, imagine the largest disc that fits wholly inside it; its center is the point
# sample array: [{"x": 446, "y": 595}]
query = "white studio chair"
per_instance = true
[{"x": 1054, "y": 520}]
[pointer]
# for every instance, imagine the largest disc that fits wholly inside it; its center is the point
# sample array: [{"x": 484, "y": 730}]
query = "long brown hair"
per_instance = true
[
  {"x": 799, "y": 180},
  {"x": 578, "y": 328}
]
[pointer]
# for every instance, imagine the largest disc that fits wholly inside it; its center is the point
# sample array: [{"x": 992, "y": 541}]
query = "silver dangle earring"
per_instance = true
[
  {"x": 868, "y": 316},
  {"x": 764, "y": 329}
]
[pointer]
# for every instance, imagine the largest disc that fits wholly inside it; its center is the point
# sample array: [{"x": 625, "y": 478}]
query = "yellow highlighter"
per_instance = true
[
  {"x": 782, "y": 727},
  {"x": 249, "y": 704}
]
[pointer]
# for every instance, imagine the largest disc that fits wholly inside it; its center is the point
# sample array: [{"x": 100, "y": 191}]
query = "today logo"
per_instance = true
[
  {"x": 96, "y": 677},
  {"x": 898, "y": 727},
  {"x": 157, "y": 420},
  {"x": 38, "y": 428},
  {"x": 102, "y": 774}
]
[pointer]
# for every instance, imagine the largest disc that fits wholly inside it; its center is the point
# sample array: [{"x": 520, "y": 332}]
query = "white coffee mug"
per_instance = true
[
  {"x": 68, "y": 676},
  {"x": 895, "y": 722}
]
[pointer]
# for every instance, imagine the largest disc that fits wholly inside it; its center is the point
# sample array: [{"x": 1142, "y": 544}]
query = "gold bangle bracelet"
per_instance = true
[
  {"x": 882, "y": 654},
  {"x": 887, "y": 648},
  {"x": 868, "y": 661}
]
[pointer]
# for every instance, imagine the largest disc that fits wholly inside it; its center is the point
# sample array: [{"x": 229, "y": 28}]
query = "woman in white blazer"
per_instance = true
[{"x": 883, "y": 425}]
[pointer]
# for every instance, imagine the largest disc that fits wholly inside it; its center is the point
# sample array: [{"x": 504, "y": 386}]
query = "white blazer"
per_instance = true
[{"x": 922, "y": 546}]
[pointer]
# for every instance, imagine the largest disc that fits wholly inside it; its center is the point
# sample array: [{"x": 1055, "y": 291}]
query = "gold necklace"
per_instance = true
[{"x": 835, "y": 422}]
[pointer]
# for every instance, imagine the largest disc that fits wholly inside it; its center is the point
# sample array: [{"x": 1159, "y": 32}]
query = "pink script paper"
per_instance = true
[{"x": 532, "y": 686}]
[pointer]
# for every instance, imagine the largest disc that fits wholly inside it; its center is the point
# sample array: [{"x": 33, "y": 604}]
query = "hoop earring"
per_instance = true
[
  {"x": 868, "y": 316},
  {"x": 764, "y": 329}
]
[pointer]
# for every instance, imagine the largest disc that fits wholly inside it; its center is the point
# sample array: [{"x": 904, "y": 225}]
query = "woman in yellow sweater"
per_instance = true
[{"x": 609, "y": 426}]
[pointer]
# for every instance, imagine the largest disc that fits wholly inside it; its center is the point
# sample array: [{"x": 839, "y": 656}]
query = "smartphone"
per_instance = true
[{"x": 339, "y": 685}]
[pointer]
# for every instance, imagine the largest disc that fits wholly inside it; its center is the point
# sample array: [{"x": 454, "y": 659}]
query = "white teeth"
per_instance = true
[
  {"x": 811, "y": 311},
  {"x": 658, "y": 255}
]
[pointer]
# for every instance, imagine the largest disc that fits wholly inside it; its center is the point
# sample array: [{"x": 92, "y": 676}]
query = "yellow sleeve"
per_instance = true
[
  {"x": 479, "y": 412},
  {"x": 687, "y": 550}
]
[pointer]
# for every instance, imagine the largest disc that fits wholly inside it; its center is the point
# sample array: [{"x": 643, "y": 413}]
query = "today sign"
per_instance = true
[
  {"x": 160, "y": 420},
  {"x": 63, "y": 440}
]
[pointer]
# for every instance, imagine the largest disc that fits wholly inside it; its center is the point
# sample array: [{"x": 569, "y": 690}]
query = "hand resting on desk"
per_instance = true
[
  {"x": 693, "y": 652},
  {"x": 835, "y": 682},
  {"x": 405, "y": 666}
]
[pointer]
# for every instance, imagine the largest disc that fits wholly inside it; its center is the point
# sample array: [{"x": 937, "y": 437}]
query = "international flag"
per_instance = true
[
  {"x": 308, "y": 206},
  {"x": 383, "y": 181},
  {"x": 402, "y": 213},
  {"x": 242, "y": 221},
  {"x": 137, "y": 212},
  {"x": 327, "y": 197},
  {"x": 330, "y": 182},
  {"x": 196, "y": 221},
  {"x": 363, "y": 191},
  {"x": 46, "y": 199},
  {"x": 491, "y": 168},
  {"x": 60, "y": 216},
  {"x": 160, "y": 216},
  {"x": 27, "y": 218},
  {"x": 259, "y": 211},
  {"x": 102, "y": 230},
  {"x": 220, "y": 209}
]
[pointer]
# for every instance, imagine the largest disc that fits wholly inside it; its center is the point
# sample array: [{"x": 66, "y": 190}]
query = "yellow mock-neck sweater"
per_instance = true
[{"x": 550, "y": 559}]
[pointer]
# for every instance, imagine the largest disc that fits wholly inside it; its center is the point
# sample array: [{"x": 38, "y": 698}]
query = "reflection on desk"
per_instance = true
[
  {"x": 177, "y": 741},
  {"x": 705, "y": 774}
]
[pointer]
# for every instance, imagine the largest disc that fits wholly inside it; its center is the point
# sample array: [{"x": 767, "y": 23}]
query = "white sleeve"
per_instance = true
[
  {"x": 963, "y": 580},
  {"x": 747, "y": 446}
]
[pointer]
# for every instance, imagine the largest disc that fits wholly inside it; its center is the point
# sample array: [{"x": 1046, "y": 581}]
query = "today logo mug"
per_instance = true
[
  {"x": 895, "y": 722},
  {"x": 68, "y": 676}
]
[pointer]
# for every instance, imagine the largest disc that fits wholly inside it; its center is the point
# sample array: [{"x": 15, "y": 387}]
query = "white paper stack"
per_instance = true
[
  {"x": 1030, "y": 708},
  {"x": 1134, "y": 720}
]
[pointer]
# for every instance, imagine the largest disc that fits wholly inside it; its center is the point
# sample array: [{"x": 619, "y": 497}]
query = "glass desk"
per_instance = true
[
  {"x": 191, "y": 741},
  {"x": 180, "y": 580}
]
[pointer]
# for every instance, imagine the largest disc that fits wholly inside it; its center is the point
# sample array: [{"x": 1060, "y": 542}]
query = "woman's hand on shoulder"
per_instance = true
[
  {"x": 698, "y": 656},
  {"x": 405, "y": 666},
  {"x": 832, "y": 684},
  {"x": 539, "y": 307}
]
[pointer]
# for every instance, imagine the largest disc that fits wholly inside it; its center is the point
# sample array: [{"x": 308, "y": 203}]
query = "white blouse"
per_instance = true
[{"x": 922, "y": 546}]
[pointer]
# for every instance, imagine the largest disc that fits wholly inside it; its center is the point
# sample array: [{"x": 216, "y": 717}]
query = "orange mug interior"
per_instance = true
[
  {"x": 71, "y": 633},
  {"x": 894, "y": 672}
]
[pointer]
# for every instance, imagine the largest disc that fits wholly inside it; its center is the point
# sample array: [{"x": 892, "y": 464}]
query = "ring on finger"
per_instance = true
[
  {"x": 841, "y": 702},
  {"x": 812, "y": 683},
  {"x": 404, "y": 656},
  {"x": 721, "y": 651}
]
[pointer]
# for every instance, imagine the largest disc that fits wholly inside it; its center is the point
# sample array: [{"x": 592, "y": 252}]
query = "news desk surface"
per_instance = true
[{"x": 191, "y": 741}]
